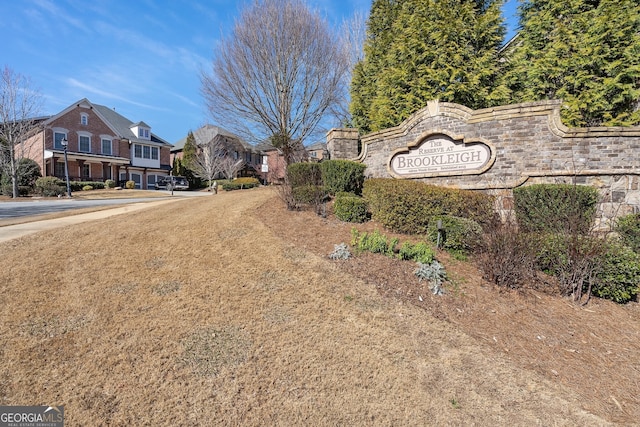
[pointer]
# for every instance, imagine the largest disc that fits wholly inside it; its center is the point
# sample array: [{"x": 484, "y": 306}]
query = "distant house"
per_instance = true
[
  {"x": 233, "y": 145},
  {"x": 317, "y": 152},
  {"x": 101, "y": 145}
]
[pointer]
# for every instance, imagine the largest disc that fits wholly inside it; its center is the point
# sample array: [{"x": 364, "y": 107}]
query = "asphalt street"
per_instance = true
[{"x": 44, "y": 206}]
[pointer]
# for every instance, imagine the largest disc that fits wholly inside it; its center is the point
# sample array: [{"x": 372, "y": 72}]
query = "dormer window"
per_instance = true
[{"x": 84, "y": 119}]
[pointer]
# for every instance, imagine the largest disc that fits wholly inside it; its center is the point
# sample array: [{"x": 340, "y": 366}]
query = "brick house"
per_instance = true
[
  {"x": 102, "y": 144},
  {"x": 232, "y": 144}
]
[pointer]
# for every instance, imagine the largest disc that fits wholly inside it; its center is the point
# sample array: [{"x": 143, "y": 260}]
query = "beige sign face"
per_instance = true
[{"x": 440, "y": 157}]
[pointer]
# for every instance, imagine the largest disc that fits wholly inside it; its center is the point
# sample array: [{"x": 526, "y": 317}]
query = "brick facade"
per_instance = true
[{"x": 528, "y": 144}]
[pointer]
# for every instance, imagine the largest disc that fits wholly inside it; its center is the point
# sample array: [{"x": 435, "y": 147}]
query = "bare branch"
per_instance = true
[
  {"x": 278, "y": 74},
  {"x": 19, "y": 111}
]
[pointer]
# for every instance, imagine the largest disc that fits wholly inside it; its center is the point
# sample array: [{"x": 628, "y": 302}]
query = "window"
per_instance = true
[
  {"x": 84, "y": 119},
  {"x": 154, "y": 153},
  {"x": 106, "y": 146},
  {"x": 59, "y": 170},
  {"x": 137, "y": 151},
  {"x": 86, "y": 170},
  {"x": 140, "y": 132},
  {"x": 57, "y": 140},
  {"x": 146, "y": 152},
  {"x": 84, "y": 144},
  {"x": 146, "y": 133}
]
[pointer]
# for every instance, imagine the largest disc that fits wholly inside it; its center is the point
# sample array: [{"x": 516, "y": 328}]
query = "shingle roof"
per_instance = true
[
  {"x": 123, "y": 125},
  {"x": 205, "y": 134}
]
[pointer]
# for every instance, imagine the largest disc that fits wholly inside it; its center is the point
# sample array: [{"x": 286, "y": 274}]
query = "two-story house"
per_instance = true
[
  {"x": 231, "y": 145},
  {"x": 101, "y": 144}
]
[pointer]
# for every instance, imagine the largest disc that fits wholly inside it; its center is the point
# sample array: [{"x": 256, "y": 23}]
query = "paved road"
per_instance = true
[{"x": 44, "y": 206}]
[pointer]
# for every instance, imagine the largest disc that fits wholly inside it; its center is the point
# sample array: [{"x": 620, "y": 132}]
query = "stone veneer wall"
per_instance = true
[{"x": 529, "y": 144}]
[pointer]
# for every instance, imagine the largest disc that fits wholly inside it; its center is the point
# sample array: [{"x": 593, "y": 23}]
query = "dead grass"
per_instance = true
[{"x": 226, "y": 310}]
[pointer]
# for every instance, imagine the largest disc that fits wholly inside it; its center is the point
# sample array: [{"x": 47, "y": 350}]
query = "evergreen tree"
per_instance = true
[
  {"x": 433, "y": 49},
  {"x": 367, "y": 72},
  {"x": 189, "y": 157},
  {"x": 585, "y": 52}
]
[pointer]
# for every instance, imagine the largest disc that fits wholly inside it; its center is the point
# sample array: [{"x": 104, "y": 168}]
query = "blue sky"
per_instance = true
[{"x": 141, "y": 57}]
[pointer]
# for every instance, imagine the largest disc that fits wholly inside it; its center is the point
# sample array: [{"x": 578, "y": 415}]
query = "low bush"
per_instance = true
[
  {"x": 342, "y": 176},
  {"x": 507, "y": 257},
  {"x": 408, "y": 206},
  {"x": 457, "y": 234},
  {"x": 350, "y": 208},
  {"x": 130, "y": 185},
  {"x": 434, "y": 273},
  {"x": 308, "y": 194},
  {"x": 87, "y": 188},
  {"x": 247, "y": 182},
  {"x": 618, "y": 275},
  {"x": 420, "y": 252},
  {"x": 554, "y": 208},
  {"x": 303, "y": 174},
  {"x": 109, "y": 183},
  {"x": 239, "y": 184},
  {"x": 79, "y": 185},
  {"x": 50, "y": 186},
  {"x": 628, "y": 228},
  {"x": 374, "y": 242}
]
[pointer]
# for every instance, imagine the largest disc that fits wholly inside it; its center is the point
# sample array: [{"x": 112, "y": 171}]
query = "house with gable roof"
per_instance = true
[
  {"x": 102, "y": 144},
  {"x": 234, "y": 146}
]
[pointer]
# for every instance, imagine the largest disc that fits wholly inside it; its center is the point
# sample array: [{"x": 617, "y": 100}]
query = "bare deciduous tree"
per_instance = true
[
  {"x": 231, "y": 166},
  {"x": 208, "y": 163},
  {"x": 19, "y": 110},
  {"x": 215, "y": 158},
  {"x": 353, "y": 33},
  {"x": 277, "y": 75}
]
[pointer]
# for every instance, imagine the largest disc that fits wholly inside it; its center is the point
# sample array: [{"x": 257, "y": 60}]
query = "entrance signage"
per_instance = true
[{"x": 441, "y": 156}]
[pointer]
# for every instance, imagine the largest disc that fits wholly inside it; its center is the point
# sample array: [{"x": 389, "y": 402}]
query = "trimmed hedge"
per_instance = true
[
  {"x": 458, "y": 234},
  {"x": 618, "y": 278},
  {"x": 342, "y": 176},
  {"x": 628, "y": 228},
  {"x": 50, "y": 186},
  {"x": 550, "y": 208},
  {"x": 350, "y": 208},
  {"x": 408, "y": 206},
  {"x": 239, "y": 184},
  {"x": 80, "y": 185},
  {"x": 304, "y": 173}
]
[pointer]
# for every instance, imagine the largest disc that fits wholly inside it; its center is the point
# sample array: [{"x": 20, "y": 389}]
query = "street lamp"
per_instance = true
[{"x": 65, "y": 144}]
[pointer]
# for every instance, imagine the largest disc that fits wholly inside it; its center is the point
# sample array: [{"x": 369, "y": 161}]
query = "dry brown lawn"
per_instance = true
[{"x": 226, "y": 310}]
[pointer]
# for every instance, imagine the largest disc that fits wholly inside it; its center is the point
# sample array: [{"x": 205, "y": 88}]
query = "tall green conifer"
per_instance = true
[
  {"x": 585, "y": 52},
  {"x": 435, "y": 49}
]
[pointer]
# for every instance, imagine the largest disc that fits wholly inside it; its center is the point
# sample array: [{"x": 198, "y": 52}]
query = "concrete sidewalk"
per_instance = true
[{"x": 15, "y": 231}]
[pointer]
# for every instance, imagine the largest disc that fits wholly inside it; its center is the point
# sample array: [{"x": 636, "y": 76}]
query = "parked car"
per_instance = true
[{"x": 172, "y": 182}]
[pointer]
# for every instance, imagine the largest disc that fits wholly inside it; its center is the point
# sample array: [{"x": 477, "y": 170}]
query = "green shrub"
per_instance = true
[
  {"x": 618, "y": 277},
  {"x": 420, "y": 252},
  {"x": 408, "y": 206},
  {"x": 238, "y": 183},
  {"x": 50, "y": 186},
  {"x": 130, "y": 185},
  {"x": 87, "y": 188},
  {"x": 374, "y": 242},
  {"x": 247, "y": 182},
  {"x": 303, "y": 173},
  {"x": 109, "y": 183},
  {"x": 434, "y": 273},
  {"x": 342, "y": 176},
  {"x": 28, "y": 172},
  {"x": 350, "y": 208},
  {"x": 79, "y": 185},
  {"x": 458, "y": 234},
  {"x": 553, "y": 208},
  {"x": 308, "y": 194},
  {"x": 628, "y": 228}
]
